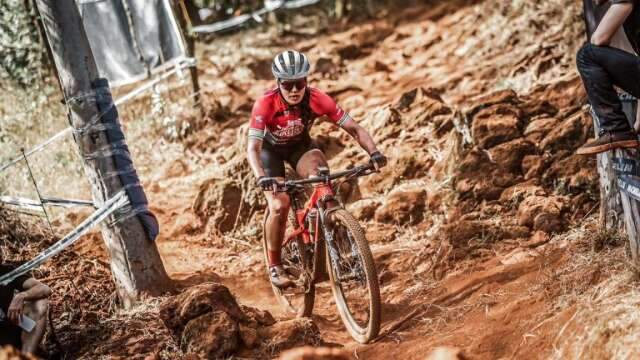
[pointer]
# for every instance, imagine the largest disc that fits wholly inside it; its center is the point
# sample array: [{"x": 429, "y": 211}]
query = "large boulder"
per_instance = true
[
  {"x": 176, "y": 312},
  {"x": 207, "y": 322},
  {"x": 213, "y": 335},
  {"x": 218, "y": 203},
  {"x": 404, "y": 205}
]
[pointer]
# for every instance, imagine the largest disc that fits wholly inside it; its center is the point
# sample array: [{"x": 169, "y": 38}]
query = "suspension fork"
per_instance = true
[{"x": 324, "y": 214}]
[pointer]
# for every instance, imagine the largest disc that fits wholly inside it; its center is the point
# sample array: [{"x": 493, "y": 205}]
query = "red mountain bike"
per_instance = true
[{"x": 324, "y": 237}]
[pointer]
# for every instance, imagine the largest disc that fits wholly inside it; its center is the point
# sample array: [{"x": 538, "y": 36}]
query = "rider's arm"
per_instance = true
[
  {"x": 361, "y": 135},
  {"x": 260, "y": 114},
  {"x": 611, "y": 22},
  {"x": 34, "y": 290},
  {"x": 324, "y": 104},
  {"x": 254, "y": 147}
]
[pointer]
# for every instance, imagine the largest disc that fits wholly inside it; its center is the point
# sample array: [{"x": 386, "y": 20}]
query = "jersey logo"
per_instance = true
[{"x": 293, "y": 128}]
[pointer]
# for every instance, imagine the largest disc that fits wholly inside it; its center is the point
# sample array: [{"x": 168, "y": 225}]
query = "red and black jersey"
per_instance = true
[{"x": 279, "y": 123}]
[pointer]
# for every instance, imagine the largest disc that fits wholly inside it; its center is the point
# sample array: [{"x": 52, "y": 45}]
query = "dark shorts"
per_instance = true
[
  {"x": 10, "y": 334},
  {"x": 274, "y": 156}
]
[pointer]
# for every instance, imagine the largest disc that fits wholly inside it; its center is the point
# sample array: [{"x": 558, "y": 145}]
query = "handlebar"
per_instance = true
[{"x": 360, "y": 170}]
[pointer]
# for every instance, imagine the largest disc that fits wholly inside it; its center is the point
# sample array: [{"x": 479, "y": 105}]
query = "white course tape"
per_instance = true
[
  {"x": 31, "y": 204},
  {"x": 183, "y": 63},
  {"x": 111, "y": 205}
]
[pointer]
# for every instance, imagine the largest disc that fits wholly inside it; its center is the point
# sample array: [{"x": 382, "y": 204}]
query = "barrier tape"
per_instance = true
[
  {"x": 186, "y": 62},
  {"x": 110, "y": 206},
  {"x": 239, "y": 20},
  {"x": 625, "y": 166},
  {"x": 630, "y": 186},
  {"x": 37, "y": 205}
]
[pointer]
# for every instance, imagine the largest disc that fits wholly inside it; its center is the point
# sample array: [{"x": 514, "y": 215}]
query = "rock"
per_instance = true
[
  {"x": 315, "y": 353},
  {"x": 325, "y": 66},
  {"x": 480, "y": 178},
  {"x": 538, "y": 238},
  {"x": 402, "y": 206},
  {"x": 460, "y": 232},
  {"x": 577, "y": 173},
  {"x": 177, "y": 311},
  {"x": 10, "y": 353},
  {"x": 542, "y": 213},
  {"x": 249, "y": 336},
  {"x": 568, "y": 134},
  {"x": 383, "y": 123},
  {"x": 364, "y": 210},
  {"x": 212, "y": 336},
  {"x": 538, "y": 128},
  {"x": 403, "y": 165},
  {"x": 421, "y": 107},
  {"x": 476, "y": 161},
  {"x": 508, "y": 156},
  {"x": 499, "y": 97},
  {"x": 289, "y": 334},
  {"x": 567, "y": 93},
  {"x": 446, "y": 353},
  {"x": 349, "y": 52},
  {"x": 513, "y": 196},
  {"x": 257, "y": 316},
  {"x": 495, "y": 125},
  {"x": 533, "y": 166},
  {"x": 218, "y": 202}
]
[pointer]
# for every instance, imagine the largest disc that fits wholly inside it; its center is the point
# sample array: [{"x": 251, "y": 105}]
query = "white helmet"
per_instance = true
[{"x": 290, "y": 65}]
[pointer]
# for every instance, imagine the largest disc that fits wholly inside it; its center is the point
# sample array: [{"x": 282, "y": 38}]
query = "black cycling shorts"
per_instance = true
[{"x": 274, "y": 156}]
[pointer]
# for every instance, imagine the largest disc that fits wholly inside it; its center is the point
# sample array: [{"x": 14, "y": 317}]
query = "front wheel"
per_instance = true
[{"x": 354, "y": 280}]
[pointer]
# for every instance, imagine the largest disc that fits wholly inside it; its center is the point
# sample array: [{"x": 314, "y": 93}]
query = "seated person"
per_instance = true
[
  {"x": 24, "y": 296},
  {"x": 609, "y": 60}
]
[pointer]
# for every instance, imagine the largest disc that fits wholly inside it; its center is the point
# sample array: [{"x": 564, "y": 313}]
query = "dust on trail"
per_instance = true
[{"x": 463, "y": 260}]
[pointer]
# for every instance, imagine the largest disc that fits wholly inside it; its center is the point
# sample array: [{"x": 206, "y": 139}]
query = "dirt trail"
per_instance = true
[{"x": 476, "y": 222}]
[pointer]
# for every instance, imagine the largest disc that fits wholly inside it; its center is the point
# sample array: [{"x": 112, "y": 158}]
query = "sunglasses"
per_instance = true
[{"x": 298, "y": 84}]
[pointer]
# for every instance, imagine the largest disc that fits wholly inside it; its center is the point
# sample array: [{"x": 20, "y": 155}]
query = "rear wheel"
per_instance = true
[
  {"x": 297, "y": 258},
  {"x": 354, "y": 280}
]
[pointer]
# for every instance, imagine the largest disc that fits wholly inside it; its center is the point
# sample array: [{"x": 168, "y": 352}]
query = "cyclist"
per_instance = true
[{"x": 279, "y": 133}]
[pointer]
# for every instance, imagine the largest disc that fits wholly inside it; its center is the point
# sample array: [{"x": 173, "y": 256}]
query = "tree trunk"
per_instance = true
[
  {"x": 135, "y": 262},
  {"x": 185, "y": 24}
]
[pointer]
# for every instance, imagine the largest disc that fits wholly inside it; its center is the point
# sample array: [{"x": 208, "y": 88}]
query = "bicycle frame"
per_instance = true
[{"x": 321, "y": 193}]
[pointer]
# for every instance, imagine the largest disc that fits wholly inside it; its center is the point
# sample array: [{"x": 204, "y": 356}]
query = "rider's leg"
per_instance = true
[
  {"x": 276, "y": 224},
  {"x": 309, "y": 163},
  {"x": 37, "y": 311}
]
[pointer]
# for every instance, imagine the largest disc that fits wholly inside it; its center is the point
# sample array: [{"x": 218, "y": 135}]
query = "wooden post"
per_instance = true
[
  {"x": 135, "y": 262},
  {"x": 185, "y": 24},
  {"x": 615, "y": 204},
  {"x": 611, "y": 212}
]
